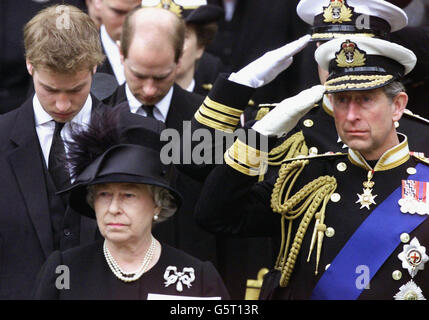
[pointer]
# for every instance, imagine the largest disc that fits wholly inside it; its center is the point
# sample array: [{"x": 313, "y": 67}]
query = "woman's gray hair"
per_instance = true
[
  {"x": 161, "y": 197},
  {"x": 393, "y": 89},
  {"x": 164, "y": 200}
]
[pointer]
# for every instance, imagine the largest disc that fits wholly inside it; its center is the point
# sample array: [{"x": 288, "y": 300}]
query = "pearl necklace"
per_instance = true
[{"x": 132, "y": 276}]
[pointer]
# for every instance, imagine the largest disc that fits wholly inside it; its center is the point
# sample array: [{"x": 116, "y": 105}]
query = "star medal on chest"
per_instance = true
[
  {"x": 413, "y": 257},
  {"x": 367, "y": 198}
]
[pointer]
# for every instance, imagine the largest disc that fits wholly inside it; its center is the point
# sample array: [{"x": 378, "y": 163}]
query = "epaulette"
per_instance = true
[
  {"x": 326, "y": 155},
  {"x": 420, "y": 156},
  {"x": 408, "y": 113}
]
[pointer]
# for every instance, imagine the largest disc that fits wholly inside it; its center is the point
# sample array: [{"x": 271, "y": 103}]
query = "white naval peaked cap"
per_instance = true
[
  {"x": 384, "y": 18},
  {"x": 362, "y": 63},
  {"x": 185, "y": 4}
]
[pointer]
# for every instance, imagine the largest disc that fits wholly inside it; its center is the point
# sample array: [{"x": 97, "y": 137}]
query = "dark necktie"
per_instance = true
[
  {"x": 149, "y": 111},
  {"x": 57, "y": 158}
]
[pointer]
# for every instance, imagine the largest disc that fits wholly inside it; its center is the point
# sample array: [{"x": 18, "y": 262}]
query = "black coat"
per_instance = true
[
  {"x": 26, "y": 236},
  {"x": 91, "y": 278},
  {"x": 105, "y": 67}
]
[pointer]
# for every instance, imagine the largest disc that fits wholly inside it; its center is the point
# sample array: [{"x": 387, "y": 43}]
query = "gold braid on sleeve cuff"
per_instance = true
[
  {"x": 246, "y": 159},
  {"x": 218, "y": 116}
]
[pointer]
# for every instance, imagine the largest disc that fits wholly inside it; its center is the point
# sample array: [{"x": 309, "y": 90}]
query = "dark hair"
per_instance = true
[{"x": 205, "y": 32}]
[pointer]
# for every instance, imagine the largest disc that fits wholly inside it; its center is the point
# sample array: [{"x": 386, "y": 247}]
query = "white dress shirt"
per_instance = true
[
  {"x": 45, "y": 125},
  {"x": 113, "y": 55},
  {"x": 161, "y": 109}
]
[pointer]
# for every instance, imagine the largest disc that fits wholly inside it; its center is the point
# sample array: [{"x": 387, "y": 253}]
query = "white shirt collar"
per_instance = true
[
  {"x": 191, "y": 86},
  {"x": 112, "y": 53},
  {"x": 45, "y": 125},
  {"x": 162, "y": 107},
  {"x": 41, "y": 116}
]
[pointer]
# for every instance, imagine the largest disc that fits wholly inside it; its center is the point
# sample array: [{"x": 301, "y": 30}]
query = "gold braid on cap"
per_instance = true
[
  {"x": 306, "y": 201},
  {"x": 292, "y": 147}
]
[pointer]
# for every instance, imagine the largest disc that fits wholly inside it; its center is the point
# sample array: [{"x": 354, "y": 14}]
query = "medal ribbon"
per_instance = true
[{"x": 370, "y": 246}]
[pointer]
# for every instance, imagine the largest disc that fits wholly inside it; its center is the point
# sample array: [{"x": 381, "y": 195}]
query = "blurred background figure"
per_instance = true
[
  {"x": 14, "y": 78},
  {"x": 93, "y": 12},
  {"x": 198, "y": 68},
  {"x": 250, "y": 28},
  {"x": 416, "y": 38},
  {"x": 112, "y": 15}
]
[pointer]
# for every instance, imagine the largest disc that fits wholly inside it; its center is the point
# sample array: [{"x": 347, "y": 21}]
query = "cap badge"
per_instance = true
[
  {"x": 337, "y": 12},
  {"x": 170, "y": 5},
  {"x": 350, "y": 56}
]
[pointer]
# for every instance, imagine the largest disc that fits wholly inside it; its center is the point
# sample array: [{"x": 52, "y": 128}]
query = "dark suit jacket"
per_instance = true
[
  {"x": 106, "y": 67},
  {"x": 26, "y": 236}
]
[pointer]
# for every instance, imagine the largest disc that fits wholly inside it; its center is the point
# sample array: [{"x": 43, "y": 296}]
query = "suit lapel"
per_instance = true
[
  {"x": 26, "y": 163},
  {"x": 176, "y": 114}
]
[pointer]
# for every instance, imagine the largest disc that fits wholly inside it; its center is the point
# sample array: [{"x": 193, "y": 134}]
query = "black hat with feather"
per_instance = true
[{"x": 117, "y": 146}]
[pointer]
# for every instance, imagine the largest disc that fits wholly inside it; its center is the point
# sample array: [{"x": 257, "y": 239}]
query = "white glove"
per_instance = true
[
  {"x": 287, "y": 113},
  {"x": 266, "y": 68}
]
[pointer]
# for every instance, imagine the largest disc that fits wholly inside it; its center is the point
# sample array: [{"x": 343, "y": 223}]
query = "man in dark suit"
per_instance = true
[
  {"x": 34, "y": 221},
  {"x": 112, "y": 14},
  {"x": 151, "y": 47}
]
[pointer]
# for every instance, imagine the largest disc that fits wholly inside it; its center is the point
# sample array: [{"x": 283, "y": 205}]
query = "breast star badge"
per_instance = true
[
  {"x": 366, "y": 198},
  {"x": 413, "y": 257},
  {"x": 409, "y": 291}
]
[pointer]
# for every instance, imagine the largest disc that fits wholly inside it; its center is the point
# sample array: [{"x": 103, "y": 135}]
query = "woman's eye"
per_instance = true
[{"x": 129, "y": 195}]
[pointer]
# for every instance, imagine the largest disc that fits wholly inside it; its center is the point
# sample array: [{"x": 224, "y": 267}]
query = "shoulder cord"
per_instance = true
[
  {"x": 290, "y": 148},
  {"x": 313, "y": 194}
]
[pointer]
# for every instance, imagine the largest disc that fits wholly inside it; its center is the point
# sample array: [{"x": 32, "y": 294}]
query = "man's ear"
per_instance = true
[
  {"x": 30, "y": 68},
  {"x": 399, "y": 104}
]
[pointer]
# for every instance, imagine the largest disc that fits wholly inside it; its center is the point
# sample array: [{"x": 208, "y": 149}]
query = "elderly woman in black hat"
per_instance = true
[{"x": 120, "y": 181}]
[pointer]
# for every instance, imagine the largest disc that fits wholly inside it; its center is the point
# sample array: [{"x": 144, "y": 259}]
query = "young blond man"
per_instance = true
[{"x": 62, "y": 51}]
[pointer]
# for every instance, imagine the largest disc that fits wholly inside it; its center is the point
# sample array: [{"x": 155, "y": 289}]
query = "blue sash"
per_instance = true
[{"x": 370, "y": 245}]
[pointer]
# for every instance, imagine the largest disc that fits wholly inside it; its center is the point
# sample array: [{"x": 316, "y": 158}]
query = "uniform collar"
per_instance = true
[{"x": 392, "y": 158}]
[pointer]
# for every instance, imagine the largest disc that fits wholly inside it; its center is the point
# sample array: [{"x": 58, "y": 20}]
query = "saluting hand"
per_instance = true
[
  {"x": 266, "y": 68},
  {"x": 287, "y": 113}
]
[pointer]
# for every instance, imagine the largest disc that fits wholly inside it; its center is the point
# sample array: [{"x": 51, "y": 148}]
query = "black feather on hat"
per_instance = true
[{"x": 116, "y": 146}]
